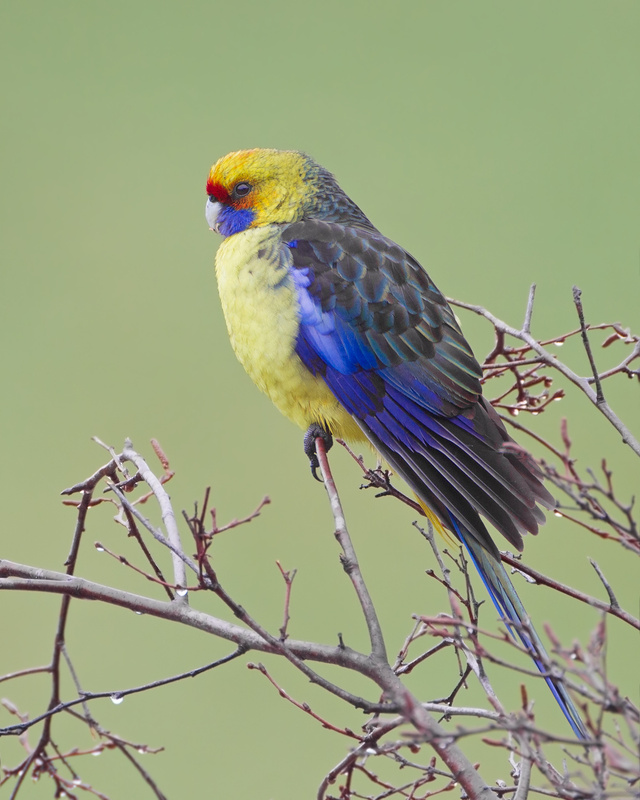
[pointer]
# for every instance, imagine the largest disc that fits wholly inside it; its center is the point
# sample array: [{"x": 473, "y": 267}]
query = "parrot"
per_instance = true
[{"x": 348, "y": 335}]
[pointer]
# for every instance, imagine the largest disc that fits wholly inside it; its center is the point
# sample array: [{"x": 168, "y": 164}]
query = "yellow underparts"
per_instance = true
[{"x": 261, "y": 310}]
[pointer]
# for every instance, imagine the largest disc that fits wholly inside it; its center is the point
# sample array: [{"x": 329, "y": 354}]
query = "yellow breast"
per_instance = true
[{"x": 261, "y": 310}]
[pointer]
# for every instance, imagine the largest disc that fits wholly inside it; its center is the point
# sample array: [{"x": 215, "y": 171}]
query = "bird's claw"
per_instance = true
[{"x": 316, "y": 431}]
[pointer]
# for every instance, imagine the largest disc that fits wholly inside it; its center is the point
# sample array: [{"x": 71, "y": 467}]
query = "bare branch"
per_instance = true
[
  {"x": 550, "y": 360},
  {"x": 577, "y": 299},
  {"x": 350, "y": 561},
  {"x": 168, "y": 516},
  {"x": 402, "y": 724},
  {"x": 20, "y": 577},
  {"x": 545, "y": 580},
  {"x": 526, "y": 325}
]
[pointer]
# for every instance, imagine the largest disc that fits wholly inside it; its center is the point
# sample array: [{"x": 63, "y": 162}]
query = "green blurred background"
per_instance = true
[{"x": 497, "y": 141}]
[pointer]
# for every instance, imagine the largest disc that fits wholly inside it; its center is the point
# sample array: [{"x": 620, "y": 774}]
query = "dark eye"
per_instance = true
[{"x": 242, "y": 189}]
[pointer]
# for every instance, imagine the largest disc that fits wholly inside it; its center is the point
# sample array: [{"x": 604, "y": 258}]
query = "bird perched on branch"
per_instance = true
[{"x": 348, "y": 335}]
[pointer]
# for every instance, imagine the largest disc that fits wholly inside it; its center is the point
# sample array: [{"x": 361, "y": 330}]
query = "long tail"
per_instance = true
[
  {"x": 456, "y": 498},
  {"x": 510, "y": 608}
]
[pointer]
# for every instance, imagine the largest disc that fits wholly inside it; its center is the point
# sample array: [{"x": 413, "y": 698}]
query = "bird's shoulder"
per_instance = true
[
  {"x": 359, "y": 286},
  {"x": 354, "y": 267}
]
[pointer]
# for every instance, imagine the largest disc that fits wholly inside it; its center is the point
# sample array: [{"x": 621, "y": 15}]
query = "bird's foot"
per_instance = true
[{"x": 316, "y": 431}]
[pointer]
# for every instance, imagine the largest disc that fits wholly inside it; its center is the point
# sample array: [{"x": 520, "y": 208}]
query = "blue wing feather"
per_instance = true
[{"x": 387, "y": 345}]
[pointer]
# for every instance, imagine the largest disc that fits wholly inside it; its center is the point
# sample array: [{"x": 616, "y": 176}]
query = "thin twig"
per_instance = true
[
  {"x": 350, "y": 561},
  {"x": 577, "y": 299},
  {"x": 550, "y": 360},
  {"x": 612, "y": 598},
  {"x": 539, "y": 577},
  {"x": 168, "y": 516},
  {"x": 526, "y": 325}
]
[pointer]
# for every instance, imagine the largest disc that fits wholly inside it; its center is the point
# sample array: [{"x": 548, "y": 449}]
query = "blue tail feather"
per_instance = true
[{"x": 511, "y": 610}]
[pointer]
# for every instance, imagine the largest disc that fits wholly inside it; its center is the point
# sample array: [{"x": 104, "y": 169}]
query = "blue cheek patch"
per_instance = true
[{"x": 234, "y": 220}]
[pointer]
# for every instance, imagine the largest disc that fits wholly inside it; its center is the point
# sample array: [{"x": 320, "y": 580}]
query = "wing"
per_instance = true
[
  {"x": 367, "y": 304},
  {"x": 383, "y": 338}
]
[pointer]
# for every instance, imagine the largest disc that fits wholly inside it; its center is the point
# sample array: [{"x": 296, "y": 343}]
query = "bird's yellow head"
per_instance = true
[{"x": 251, "y": 188}]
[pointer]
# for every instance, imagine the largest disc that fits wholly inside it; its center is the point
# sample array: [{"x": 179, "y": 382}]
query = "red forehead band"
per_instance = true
[{"x": 218, "y": 191}]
